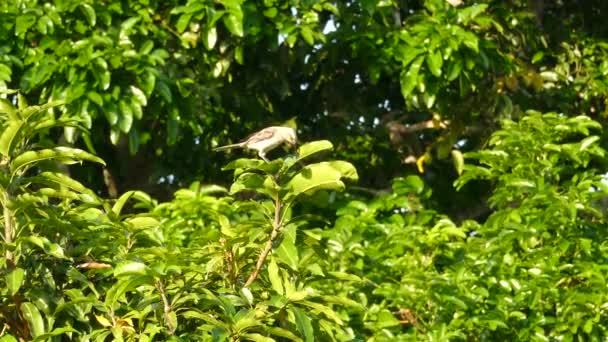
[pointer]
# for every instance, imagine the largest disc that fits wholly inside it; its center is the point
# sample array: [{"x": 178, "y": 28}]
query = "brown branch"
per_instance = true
[{"x": 276, "y": 229}]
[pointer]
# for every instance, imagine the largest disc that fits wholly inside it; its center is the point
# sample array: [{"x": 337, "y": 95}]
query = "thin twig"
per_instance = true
[
  {"x": 276, "y": 228},
  {"x": 9, "y": 229},
  {"x": 166, "y": 307}
]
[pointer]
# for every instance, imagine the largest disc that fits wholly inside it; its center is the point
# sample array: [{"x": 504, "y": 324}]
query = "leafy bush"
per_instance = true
[{"x": 252, "y": 263}]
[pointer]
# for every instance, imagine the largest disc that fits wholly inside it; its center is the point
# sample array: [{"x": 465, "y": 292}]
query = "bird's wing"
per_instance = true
[{"x": 264, "y": 134}]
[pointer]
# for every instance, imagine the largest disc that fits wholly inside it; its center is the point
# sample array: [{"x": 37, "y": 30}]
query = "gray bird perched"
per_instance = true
[{"x": 265, "y": 140}]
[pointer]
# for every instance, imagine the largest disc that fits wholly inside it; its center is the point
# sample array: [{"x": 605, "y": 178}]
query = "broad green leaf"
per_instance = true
[
  {"x": 343, "y": 301},
  {"x": 8, "y": 338},
  {"x": 210, "y": 38},
  {"x": 34, "y": 319},
  {"x": 139, "y": 95},
  {"x": 142, "y": 222},
  {"x": 263, "y": 184},
  {"x": 9, "y": 109},
  {"x": 275, "y": 278},
  {"x": 55, "y": 332},
  {"x": 24, "y": 22},
  {"x": 89, "y": 13},
  {"x": 303, "y": 324},
  {"x": 306, "y": 33},
  {"x": 320, "y": 176},
  {"x": 65, "y": 155},
  {"x": 287, "y": 251},
  {"x": 243, "y": 163},
  {"x": 345, "y": 276},
  {"x": 124, "y": 285},
  {"x": 234, "y": 24},
  {"x": 386, "y": 319},
  {"x": 14, "y": 280},
  {"x": 121, "y": 201},
  {"x": 454, "y": 69},
  {"x": 434, "y": 61},
  {"x": 129, "y": 267},
  {"x": 133, "y": 141},
  {"x": 61, "y": 179},
  {"x": 103, "y": 321},
  {"x": 283, "y": 333},
  {"x": 46, "y": 245},
  {"x": 458, "y": 161},
  {"x": 314, "y": 147},
  {"x": 125, "y": 120},
  {"x": 10, "y": 136},
  {"x": 409, "y": 77},
  {"x": 588, "y": 142},
  {"x": 258, "y": 338},
  {"x": 408, "y": 185},
  {"x": 67, "y": 194}
]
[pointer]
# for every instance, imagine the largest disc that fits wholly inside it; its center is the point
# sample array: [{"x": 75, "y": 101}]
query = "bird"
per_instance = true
[{"x": 265, "y": 140}]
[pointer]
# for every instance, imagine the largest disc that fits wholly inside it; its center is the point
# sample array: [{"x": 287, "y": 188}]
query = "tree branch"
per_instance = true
[{"x": 276, "y": 228}]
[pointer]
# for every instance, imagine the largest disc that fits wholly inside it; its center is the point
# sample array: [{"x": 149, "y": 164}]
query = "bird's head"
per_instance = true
[{"x": 290, "y": 136}]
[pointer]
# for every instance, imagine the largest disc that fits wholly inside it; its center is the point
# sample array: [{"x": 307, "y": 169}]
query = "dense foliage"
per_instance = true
[{"x": 449, "y": 185}]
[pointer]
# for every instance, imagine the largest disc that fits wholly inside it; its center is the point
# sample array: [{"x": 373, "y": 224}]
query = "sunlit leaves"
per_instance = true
[
  {"x": 65, "y": 155},
  {"x": 14, "y": 280}
]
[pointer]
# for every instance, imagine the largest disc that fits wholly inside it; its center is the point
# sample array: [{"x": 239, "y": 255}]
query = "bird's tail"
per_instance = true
[{"x": 228, "y": 147}]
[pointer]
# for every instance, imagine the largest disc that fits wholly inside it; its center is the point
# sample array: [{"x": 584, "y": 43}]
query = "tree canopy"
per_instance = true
[{"x": 449, "y": 185}]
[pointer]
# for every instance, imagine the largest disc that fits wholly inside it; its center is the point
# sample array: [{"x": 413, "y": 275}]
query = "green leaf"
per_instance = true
[
  {"x": 50, "y": 178},
  {"x": 24, "y": 22},
  {"x": 283, "y": 333},
  {"x": 234, "y": 24},
  {"x": 138, "y": 95},
  {"x": 249, "y": 181},
  {"x": 386, "y": 319},
  {"x": 125, "y": 120},
  {"x": 434, "y": 61},
  {"x": 303, "y": 324},
  {"x": 8, "y": 338},
  {"x": 89, "y": 13},
  {"x": 306, "y": 33},
  {"x": 46, "y": 245},
  {"x": 123, "y": 285},
  {"x": 454, "y": 69},
  {"x": 14, "y": 280},
  {"x": 10, "y": 136},
  {"x": 129, "y": 267},
  {"x": 133, "y": 141},
  {"x": 314, "y": 147},
  {"x": 66, "y": 155},
  {"x": 55, "y": 332},
  {"x": 458, "y": 161},
  {"x": 8, "y": 108},
  {"x": 320, "y": 176},
  {"x": 258, "y": 338},
  {"x": 287, "y": 251},
  {"x": 274, "y": 276},
  {"x": 243, "y": 163},
  {"x": 34, "y": 319},
  {"x": 142, "y": 222},
  {"x": 210, "y": 38},
  {"x": 409, "y": 78},
  {"x": 345, "y": 276}
]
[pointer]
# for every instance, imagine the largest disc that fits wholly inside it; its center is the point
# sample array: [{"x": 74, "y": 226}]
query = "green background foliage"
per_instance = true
[{"x": 449, "y": 185}]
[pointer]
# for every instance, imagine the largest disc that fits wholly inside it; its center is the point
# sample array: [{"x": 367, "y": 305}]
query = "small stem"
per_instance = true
[
  {"x": 166, "y": 307},
  {"x": 9, "y": 229},
  {"x": 276, "y": 229}
]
